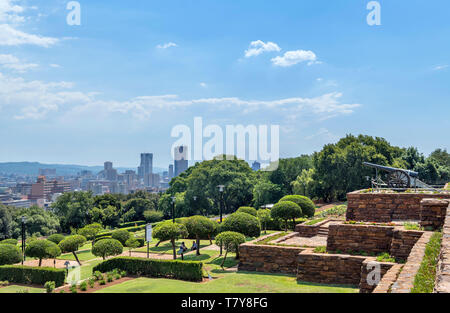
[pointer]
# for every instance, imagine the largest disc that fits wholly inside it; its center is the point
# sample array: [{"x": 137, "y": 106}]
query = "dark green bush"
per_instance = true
[
  {"x": 153, "y": 216},
  {"x": 248, "y": 210},
  {"x": 286, "y": 210},
  {"x": 121, "y": 235},
  {"x": 243, "y": 223},
  {"x": 107, "y": 247},
  {"x": 132, "y": 224},
  {"x": 32, "y": 275},
  {"x": 308, "y": 207},
  {"x": 13, "y": 242},
  {"x": 141, "y": 242},
  {"x": 9, "y": 254},
  {"x": 183, "y": 270},
  {"x": 56, "y": 238}
]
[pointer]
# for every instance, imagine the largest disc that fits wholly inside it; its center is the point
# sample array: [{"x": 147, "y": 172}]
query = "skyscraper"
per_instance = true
[
  {"x": 109, "y": 172},
  {"x": 170, "y": 171},
  {"x": 146, "y": 166},
  {"x": 181, "y": 160}
]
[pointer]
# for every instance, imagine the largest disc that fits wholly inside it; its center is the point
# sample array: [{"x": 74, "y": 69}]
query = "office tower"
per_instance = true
[
  {"x": 170, "y": 172},
  {"x": 181, "y": 160},
  {"x": 108, "y": 166},
  {"x": 152, "y": 180},
  {"x": 256, "y": 166},
  {"x": 146, "y": 166},
  {"x": 109, "y": 172}
]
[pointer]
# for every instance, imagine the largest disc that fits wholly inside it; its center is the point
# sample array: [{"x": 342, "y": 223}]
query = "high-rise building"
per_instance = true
[
  {"x": 181, "y": 160},
  {"x": 109, "y": 172},
  {"x": 170, "y": 171},
  {"x": 256, "y": 166},
  {"x": 152, "y": 180},
  {"x": 146, "y": 166},
  {"x": 44, "y": 189}
]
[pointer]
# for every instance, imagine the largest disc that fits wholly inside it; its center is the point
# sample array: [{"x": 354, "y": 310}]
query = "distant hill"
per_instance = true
[{"x": 32, "y": 168}]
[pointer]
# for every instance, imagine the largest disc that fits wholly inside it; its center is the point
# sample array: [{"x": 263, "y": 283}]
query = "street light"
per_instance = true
[
  {"x": 173, "y": 209},
  {"x": 195, "y": 199},
  {"x": 24, "y": 220},
  {"x": 221, "y": 189}
]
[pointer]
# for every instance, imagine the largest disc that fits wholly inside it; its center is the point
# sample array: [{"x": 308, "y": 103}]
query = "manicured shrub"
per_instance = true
[
  {"x": 56, "y": 238},
  {"x": 9, "y": 254},
  {"x": 200, "y": 227},
  {"x": 248, "y": 210},
  {"x": 230, "y": 241},
  {"x": 121, "y": 235},
  {"x": 132, "y": 224},
  {"x": 32, "y": 275},
  {"x": 83, "y": 286},
  {"x": 90, "y": 231},
  {"x": 172, "y": 232},
  {"x": 49, "y": 286},
  {"x": 72, "y": 244},
  {"x": 306, "y": 205},
  {"x": 184, "y": 270},
  {"x": 132, "y": 243},
  {"x": 42, "y": 249},
  {"x": 153, "y": 216},
  {"x": 243, "y": 223},
  {"x": 129, "y": 229},
  {"x": 107, "y": 247},
  {"x": 286, "y": 210},
  {"x": 13, "y": 242}
]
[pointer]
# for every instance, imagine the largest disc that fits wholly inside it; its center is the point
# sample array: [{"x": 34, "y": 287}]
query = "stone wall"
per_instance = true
[
  {"x": 268, "y": 258},
  {"x": 402, "y": 243},
  {"x": 442, "y": 284},
  {"x": 388, "y": 279},
  {"x": 310, "y": 230},
  {"x": 365, "y": 285},
  {"x": 386, "y": 207},
  {"x": 355, "y": 238},
  {"x": 432, "y": 212}
]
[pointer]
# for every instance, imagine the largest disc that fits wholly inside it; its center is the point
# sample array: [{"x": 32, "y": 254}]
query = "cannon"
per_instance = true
[{"x": 398, "y": 178}]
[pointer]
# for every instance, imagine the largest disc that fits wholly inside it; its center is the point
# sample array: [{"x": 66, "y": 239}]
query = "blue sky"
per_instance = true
[{"x": 116, "y": 85}]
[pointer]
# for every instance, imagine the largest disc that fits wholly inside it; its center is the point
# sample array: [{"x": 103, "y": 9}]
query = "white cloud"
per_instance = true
[
  {"x": 291, "y": 58},
  {"x": 10, "y": 36},
  {"x": 11, "y": 62},
  {"x": 258, "y": 47},
  {"x": 440, "y": 67},
  {"x": 55, "y": 65},
  {"x": 204, "y": 85},
  {"x": 9, "y": 12},
  {"x": 167, "y": 45}
]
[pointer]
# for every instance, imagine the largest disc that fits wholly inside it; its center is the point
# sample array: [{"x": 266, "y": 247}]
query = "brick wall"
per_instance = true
[
  {"x": 371, "y": 239},
  {"x": 443, "y": 268},
  {"x": 386, "y": 207},
  {"x": 367, "y": 268},
  {"x": 432, "y": 212},
  {"x": 268, "y": 258},
  {"x": 402, "y": 243}
]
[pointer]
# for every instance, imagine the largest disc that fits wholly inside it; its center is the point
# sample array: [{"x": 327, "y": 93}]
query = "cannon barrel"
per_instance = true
[{"x": 392, "y": 169}]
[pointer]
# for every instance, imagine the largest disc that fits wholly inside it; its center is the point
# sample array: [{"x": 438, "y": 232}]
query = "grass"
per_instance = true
[
  {"x": 21, "y": 289},
  {"x": 85, "y": 255},
  {"x": 412, "y": 226},
  {"x": 316, "y": 221},
  {"x": 425, "y": 278},
  {"x": 86, "y": 269},
  {"x": 241, "y": 282},
  {"x": 271, "y": 238}
]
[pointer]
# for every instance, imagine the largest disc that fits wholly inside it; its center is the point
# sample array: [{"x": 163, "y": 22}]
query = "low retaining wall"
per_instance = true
[
  {"x": 402, "y": 243},
  {"x": 268, "y": 258},
  {"x": 387, "y": 207},
  {"x": 433, "y": 212},
  {"x": 310, "y": 230},
  {"x": 442, "y": 284},
  {"x": 367, "y": 268},
  {"x": 355, "y": 238}
]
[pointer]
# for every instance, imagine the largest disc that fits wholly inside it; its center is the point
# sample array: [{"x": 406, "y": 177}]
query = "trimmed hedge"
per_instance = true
[
  {"x": 130, "y": 229},
  {"x": 32, "y": 275},
  {"x": 132, "y": 224},
  {"x": 183, "y": 270}
]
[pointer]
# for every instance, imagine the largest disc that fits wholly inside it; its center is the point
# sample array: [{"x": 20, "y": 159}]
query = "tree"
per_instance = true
[
  {"x": 107, "y": 216},
  {"x": 264, "y": 218},
  {"x": 5, "y": 223},
  {"x": 243, "y": 223},
  {"x": 304, "y": 183},
  {"x": 200, "y": 227},
  {"x": 266, "y": 192},
  {"x": 248, "y": 210},
  {"x": 287, "y": 171},
  {"x": 39, "y": 222},
  {"x": 308, "y": 207},
  {"x": 170, "y": 231},
  {"x": 230, "y": 241},
  {"x": 132, "y": 243},
  {"x": 139, "y": 206},
  {"x": 42, "y": 249},
  {"x": 9, "y": 254},
  {"x": 90, "y": 231},
  {"x": 56, "y": 238},
  {"x": 72, "y": 244},
  {"x": 11, "y": 241},
  {"x": 286, "y": 210},
  {"x": 121, "y": 235},
  {"x": 73, "y": 209},
  {"x": 107, "y": 247},
  {"x": 152, "y": 216}
]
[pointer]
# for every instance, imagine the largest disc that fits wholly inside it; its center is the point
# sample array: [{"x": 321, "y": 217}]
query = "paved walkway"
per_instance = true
[{"x": 317, "y": 241}]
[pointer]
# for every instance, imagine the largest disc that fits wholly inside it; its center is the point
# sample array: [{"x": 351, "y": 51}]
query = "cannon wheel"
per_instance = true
[{"x": 399, "y": 180}]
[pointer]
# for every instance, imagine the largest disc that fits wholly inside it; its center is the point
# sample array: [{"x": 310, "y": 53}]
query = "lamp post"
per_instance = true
[
  {"x": 24, "y": 220},
  {"x": 221, "y": 190},
  {"x": 173, "y": 209},
  {"x": 195, "y": 199}
]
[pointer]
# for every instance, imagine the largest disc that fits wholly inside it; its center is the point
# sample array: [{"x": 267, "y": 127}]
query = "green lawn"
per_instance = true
[
  {"x": 21, "y": 289},
  {"x": 82, "y": 256},
  {"x": 241, "y": 282}
]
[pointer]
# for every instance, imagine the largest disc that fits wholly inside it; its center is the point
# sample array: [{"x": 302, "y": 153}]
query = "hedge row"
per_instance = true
[
  {"x": 183, "y": 270},
  {"x": 132, "y": 224},
  {"x": 32, "y": 275},
  {"x": 130, "y": 229}
]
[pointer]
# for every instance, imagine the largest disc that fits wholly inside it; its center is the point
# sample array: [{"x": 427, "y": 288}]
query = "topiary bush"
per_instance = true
[
  {"x": 172, "y": 232},
  {"x": 184, "y": 270},
  {"x": 230, "y": 241},
  {"x": 121, "y": 235},
  {"x": 286, "y": 210},
  {"x": 42, "y": 249},
  {"x": 9, "y": 254},
  {"x": 248, "y": 210},
  {"x": 107, "y": 247},
  {"x": 72, "y": 244},
  {"x": 200, "y": 227},
  {"x": 13, "y": 242},
  {"x": 56, "y": 238},
  {"x": 243, "y": 223},
  {"x": 308, "y": 207}
]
